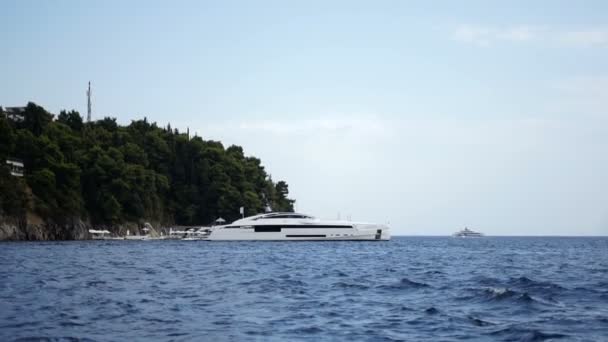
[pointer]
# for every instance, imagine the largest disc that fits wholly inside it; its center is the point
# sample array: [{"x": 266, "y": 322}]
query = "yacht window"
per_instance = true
[
  {"x": 285, "y": 216},
  {"x": 267, "y": 229}
]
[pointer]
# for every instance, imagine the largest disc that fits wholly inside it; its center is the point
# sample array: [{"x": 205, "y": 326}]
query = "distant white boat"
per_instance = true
[
  {"x": 103, "y": 235},
  {"x": 194, "y": 234},
  {"x": 143, "y": 237},
  {"x": 138, "y": 237},
  {"x": 106, "y": 235},
  {"x": 99, "y": 234},
  {"x": 466, "y": 232},
  {"x": 297, "y": 227}
]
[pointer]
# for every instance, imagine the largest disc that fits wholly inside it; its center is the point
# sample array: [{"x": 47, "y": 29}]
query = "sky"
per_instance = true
[{"x": 429, "y": 116}]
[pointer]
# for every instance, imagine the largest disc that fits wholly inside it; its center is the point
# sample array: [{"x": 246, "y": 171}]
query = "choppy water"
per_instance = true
[{"x": 415, "y": 288}]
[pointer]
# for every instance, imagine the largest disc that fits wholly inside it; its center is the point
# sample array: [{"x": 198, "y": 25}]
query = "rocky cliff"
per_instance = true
[
  {"x": 36, "y": 229},
  {"x": 33, "y": 228}
]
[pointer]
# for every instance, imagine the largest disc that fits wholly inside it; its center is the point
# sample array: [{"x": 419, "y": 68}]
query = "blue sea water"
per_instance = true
[{"x": 410, "y": 288}]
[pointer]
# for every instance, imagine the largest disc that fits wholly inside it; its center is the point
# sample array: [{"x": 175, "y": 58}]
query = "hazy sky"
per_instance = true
[{"x": 429, "y": 115}]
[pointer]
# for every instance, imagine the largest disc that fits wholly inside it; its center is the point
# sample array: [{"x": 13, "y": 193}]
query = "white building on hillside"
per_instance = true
[{"x": 16, "y": 167}]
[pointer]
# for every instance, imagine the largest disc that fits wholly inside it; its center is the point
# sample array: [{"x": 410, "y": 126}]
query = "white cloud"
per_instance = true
[
  {"x": 519, "y": 34},
  {"x": 589, "y": 85},
  {"x": 487, "y": 36},
  {"x": 334, "y": 126},
  {"x": 597, "y": 37}
]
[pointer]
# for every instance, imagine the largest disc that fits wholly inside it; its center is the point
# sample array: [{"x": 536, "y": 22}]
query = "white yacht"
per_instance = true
[
  {"x": 466, "y": 232},
  {"x": 297, "y": 227}
]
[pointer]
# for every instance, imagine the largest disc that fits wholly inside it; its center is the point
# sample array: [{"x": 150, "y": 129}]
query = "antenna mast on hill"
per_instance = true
[{"x": 89, "y": 103}]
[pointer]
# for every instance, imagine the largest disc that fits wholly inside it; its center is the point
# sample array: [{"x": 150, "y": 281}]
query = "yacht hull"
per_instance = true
[{"x": 300, "y": 234}]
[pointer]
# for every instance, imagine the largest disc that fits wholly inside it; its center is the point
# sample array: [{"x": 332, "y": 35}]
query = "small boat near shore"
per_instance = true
[
  {"x": 189, "y": 233},
  {"x": 97, "y": 234},
  {"x": 466, "y": 232},
  {"x": 193, "y": 234}
]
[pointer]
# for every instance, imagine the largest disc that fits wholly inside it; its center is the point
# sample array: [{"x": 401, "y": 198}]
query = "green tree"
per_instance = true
[
  {"x": 109, "y": 174},
  {"x": 35, "y": 118},
  {"x": 7, "y": 138},
  {"x": 281, "y": 201},
  {"x": 71, "y": 119}
]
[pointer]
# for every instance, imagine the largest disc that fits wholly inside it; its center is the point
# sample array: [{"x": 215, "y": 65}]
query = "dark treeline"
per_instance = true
[{"x": 111, "y": 174}]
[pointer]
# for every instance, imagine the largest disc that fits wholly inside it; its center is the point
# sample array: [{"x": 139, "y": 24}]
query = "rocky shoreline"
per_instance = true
[{"x": 35, "y": 229}]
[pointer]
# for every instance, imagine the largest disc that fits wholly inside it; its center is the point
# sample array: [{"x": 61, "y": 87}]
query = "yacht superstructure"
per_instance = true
[
  {"x": 294, "y": 226},
  {"x": 466, "y": 232}
]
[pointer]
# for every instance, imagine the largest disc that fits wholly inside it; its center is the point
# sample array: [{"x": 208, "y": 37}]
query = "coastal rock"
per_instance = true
[
  {"x": 33, "y": 228},
  {"x": 10, "y": 231},
  {"x": 74, "y": 229}
]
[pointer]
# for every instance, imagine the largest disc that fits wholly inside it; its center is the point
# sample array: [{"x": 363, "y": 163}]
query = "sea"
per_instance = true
[{"x": 406, "y": 289}]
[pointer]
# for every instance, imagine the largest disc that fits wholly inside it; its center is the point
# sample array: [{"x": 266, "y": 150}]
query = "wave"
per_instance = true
[
  {"x": 478, "y": 322},
  {"x": 69, "y": 324},
  {"x": 272, "y": 283},
  {"x": 345, "y": 285},
  {"x": 306, "y": 330},
  {"x": 405, "y": 284},
  {"x": 502, "y": 293},
  {"x": 470, "y": 319},
  {"x": 506, "y": 294},
  {"x": 486, "y": 281},
  {"x": 432, "y": 311},
  {"x": 526, "y": 334},
  {"x": 53, "y": 339},
  {"x": 19, "y": 325},
  {"x": 401, "y": 308},
  {"x": 522, "y": 282},
  {"x": 410, "y": 283},
  {"x": 434, "y": 272},
  {"x": 527, "y": 283},
  {"x": 521, "y": 289}
]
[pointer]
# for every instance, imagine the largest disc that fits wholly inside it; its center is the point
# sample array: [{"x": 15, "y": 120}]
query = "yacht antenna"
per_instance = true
[{"x": 89, "y": 103}]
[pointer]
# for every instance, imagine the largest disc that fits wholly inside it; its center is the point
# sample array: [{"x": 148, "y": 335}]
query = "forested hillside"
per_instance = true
[{"x": 109, "y": 174}]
